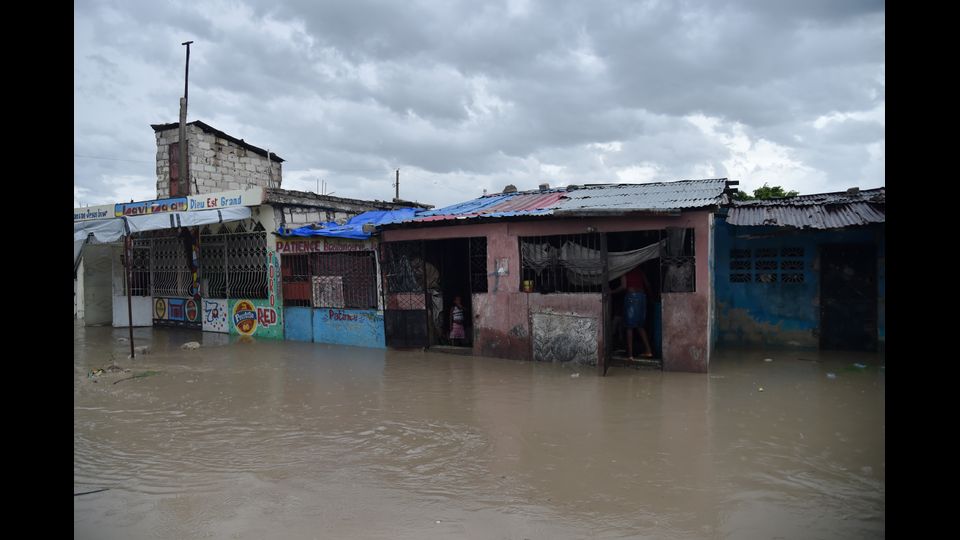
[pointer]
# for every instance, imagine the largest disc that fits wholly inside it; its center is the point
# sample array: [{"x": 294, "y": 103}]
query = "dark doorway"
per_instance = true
[
  {"x": 617, "y": 336},
  {"x": 848, "y": 297},
  {"x": 448, "y": 279},
  {"x": 405, "y": 313}
]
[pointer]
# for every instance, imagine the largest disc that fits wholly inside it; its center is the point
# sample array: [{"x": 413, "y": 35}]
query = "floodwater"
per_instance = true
[{"x": 297, "y": 440}]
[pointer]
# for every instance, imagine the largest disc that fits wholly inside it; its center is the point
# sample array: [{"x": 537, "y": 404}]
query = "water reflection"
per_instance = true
[{"x": 248, "y": 439}]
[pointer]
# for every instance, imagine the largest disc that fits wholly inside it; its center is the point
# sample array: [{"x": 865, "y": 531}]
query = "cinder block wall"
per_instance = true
[{"x": 215, "y": 164}]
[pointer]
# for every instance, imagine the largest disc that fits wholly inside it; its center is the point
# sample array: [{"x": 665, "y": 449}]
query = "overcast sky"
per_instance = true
[{"x": 473, "y": 95}]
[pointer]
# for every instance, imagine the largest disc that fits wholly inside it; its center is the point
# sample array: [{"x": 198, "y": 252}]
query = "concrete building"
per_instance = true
[
  {"x": 204, "y": 257},
  {"x": 804, "y": 272},
  {"x": 534, "y": 267}
]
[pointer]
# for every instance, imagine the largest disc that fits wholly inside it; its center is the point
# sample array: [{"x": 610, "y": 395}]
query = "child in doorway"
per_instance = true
[{"x": 457, "y": 334}]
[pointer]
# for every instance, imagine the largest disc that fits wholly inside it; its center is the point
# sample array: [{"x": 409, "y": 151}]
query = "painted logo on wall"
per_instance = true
[
  {"x": 160, "y": 308},
  {"x": 191, "y": 310},
  {"x": 215, "y": 316},
  {"x": 175, "y": 306},
  {"x": 182, "y": 312},
  {"x": 245, "y": 317}
]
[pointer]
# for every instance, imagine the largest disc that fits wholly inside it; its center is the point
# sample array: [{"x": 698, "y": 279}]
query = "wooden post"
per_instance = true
[{"x": 603, "y": 362}]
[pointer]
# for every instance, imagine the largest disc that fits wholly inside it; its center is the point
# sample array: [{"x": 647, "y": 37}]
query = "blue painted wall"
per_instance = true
[
  {"x": 358, "y": 327},
  {"x": 298, "y": 323},
  {"x": 779, "y": 314}
]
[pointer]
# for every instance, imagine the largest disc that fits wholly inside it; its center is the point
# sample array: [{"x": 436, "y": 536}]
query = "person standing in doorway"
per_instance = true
[
  {"x": 635, "y": 308},
  {"x": 457, "y": 334}
]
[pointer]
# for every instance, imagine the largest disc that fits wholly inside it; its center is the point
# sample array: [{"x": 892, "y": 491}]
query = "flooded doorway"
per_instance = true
[
  {"x": 448, "y": 279},
  {"x": 623, "y": 242},
  {"x": 848, "y": 297}
]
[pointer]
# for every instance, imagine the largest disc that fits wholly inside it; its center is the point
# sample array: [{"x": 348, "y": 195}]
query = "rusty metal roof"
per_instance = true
[
  {"x": 608, "y": 199},
  {"x": 818, "y": 211}
]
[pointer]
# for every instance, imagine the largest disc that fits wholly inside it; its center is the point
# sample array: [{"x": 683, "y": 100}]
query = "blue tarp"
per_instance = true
[{"x": 354, "y": 227}]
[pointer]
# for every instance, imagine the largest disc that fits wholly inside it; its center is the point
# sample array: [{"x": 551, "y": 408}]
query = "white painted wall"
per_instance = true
[
  {"x": 142, "y": 305},
  {"x": 96, "y": 288}
]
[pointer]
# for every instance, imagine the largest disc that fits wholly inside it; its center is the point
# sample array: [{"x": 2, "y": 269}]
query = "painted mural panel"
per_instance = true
[
  {"x": 357, "y": 327},
  {"x": 564, "y": 338},
  {"x": 255, "y": 317},
  {"x": 215, "y": 315},
  {"x": 184, "y": 312},
  {"x": 298, "y": 323}
]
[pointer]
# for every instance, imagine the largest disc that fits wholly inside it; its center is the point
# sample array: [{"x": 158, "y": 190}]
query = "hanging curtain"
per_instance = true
[{"x": 585, "y": 266}]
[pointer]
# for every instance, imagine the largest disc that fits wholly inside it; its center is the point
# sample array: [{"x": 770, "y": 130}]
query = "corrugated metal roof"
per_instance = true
[
  {"x": 639, "y": 197},
  {"x": 877, "y": 195},
  {"x": 619, "y": 198},
  {"x": 819, "y": 211}
]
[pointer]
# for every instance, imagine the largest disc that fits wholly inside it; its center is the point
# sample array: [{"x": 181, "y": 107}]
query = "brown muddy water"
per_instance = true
[{"x": 299, "y": 440}]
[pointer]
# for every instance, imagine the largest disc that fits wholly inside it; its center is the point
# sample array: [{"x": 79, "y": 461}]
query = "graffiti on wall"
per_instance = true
[
  {"x": 564, "y": 338},
  {"x": 215, "y": 316},
  {"x": 358, "y": 327},
  {"x": 176, "y": 312},
  {"x": 255, "y": 318}
]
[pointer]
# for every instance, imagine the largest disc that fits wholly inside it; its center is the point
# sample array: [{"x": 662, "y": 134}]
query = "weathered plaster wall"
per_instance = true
[
  {"x": 503, "y": 316},
  {"x": 97, "y": 287},
  {"x": 781, "y": 314}
]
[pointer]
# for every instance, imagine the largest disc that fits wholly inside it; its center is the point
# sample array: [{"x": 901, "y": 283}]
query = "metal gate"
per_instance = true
[{"x": 405, "y": 313}]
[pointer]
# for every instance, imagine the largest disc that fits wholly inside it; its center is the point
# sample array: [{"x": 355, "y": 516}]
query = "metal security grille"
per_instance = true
[
  {"x": 678, "y": 265},
  {"x": 543, "y": 262},
  {"x": 403, "y": 271},
  {"x": 234, "y": 264},
  {"x": 213, "y": 264},
  {"x": 295, "y": 271},
  {"x": 478, "y": 264},
  {"x": 141, "y": 267},
  {"x": 170, "y": 270},
  {"x": 351, "y": 279},
  {"x": 403, "y": 266}
]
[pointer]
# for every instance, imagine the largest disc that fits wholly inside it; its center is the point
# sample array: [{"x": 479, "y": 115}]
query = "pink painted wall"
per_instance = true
[{"x": 502, "y": 315}]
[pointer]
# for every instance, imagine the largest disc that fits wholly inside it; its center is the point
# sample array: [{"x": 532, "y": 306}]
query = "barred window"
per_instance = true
[
  {"x": 678, "y": 264},
  {"x": 170, "y": 272},
  {"x": 140, "y": 270},
  {"x": 478, "y": 264},
  {"x": 234, "y": 264},
  {"x": 344, "y": 280},
  {"x": 771, "y": 265},
  {"x": 330, "y": 280},
  {"x": 295, "y": 274},
  {"x": 561, "y": 263}
]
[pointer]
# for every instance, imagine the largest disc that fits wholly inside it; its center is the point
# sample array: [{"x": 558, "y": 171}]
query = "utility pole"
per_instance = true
[
  {"x": 184, "y": 176},
  {"x": 397, "y": 185}
]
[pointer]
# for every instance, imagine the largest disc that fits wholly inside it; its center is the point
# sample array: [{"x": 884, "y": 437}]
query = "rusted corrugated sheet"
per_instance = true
[
  {"x": 657, "y": 196},
  {"x": 815, "y": 216}
]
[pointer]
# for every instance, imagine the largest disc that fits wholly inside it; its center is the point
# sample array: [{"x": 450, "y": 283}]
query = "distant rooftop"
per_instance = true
[
  {"x": 817, "y": 211},
  {"x": 588, "y": 199}
]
